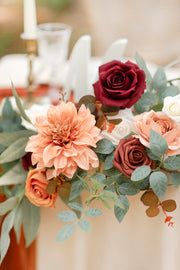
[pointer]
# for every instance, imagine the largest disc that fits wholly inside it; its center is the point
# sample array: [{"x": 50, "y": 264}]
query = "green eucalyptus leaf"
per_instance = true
[
  {"x": 104, "y": 146},
  {"x": 67, "y": 216},
  {"x": 112, "y": 172},
  {"x": 142, "y": 185},
  {"x": 19, "y": 105},
  {"x": 159, "y": 79},
  {"x": 93, "y": 212},
  {"x": 120, "y": 212},
  {"x": 98, "y": 177},
  {"x": 141, "y": 63},
  {"x": 18, "y": 222},
  {"x": 171, "y": 91},
  {"x": 146, "y": 102},
  {"x": 15, "y": 151},
  {"x": 172, "y": 163},
  {"x": 8, "y": 205},
  {"x": 76, "y": 189},
  {"x": 15, "y": 175},
  {"x": 151, "y": 155},
  {"x": 7, "y": 138},
  {"x": 128, "y": 188},
  {"x": 7, "y": 225},
  {"x": 8, "y": 112},
  {"x": 66, "y": 232},
  {"x": 107, "y": 197},
  {"x": 84, "y": 225},
  {"x": 76, "y": 206},
  {"x": 110, "y": 180},
  {"x": 158, "y": 144},
  {"x": 141, "y": 173},
  {"x": 109, "y": 161},
  {"x": 175, "y": 179},
  {"x": 31, "y": 221},
  {"x": 158, "y": 182}
]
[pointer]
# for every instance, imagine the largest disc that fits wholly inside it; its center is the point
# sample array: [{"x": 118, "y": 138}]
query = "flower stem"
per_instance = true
[{"x": 175, "y": 79}]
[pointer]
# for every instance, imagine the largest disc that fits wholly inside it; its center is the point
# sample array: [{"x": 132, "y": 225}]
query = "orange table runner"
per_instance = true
[{"x": 40, "y": 91}]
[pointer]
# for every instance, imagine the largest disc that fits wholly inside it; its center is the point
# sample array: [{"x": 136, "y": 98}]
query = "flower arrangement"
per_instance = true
[{"x": 123, "y": 140}]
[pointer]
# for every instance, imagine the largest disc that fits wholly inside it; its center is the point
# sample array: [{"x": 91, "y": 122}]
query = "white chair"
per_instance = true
[{"x": 77, "y": 74}]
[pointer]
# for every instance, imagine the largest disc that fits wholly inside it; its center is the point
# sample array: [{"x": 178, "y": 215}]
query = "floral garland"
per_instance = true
[{"x": 122, "y": 141}]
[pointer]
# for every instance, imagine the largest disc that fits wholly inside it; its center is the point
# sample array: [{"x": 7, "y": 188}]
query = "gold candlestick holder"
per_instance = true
[{"x": 31, "y": 50}]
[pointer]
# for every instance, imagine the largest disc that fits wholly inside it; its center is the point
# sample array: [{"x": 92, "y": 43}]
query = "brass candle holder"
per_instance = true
[{"x": 31, "y": 49}]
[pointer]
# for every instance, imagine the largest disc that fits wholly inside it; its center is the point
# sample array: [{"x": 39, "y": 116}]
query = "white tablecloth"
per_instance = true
[{"x": 138, "y": 243}]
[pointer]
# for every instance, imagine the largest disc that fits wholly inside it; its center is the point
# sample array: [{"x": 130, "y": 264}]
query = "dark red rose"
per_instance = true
[
  {"x": 26, "y": 161},
  {"x": 129, "y": 155},
  {"x": 120, "y": 84}
]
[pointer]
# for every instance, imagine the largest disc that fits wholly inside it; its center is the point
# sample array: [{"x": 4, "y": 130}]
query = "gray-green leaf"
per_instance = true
[
  {"x": 158, "y": 182},
  {"x": 171, "y": 91},
  {"x": 104, "y": 147},
  {"x": 76, "y": 188},
  {"x": 8, "y": 205},
  {"x": 146, "y": 102},
  {"x": 141, "y": 173},
  {"x": 8, "y": 112},
  {"x": 172, "y": 163},
  {"x": 141, "y": 63},
  {"x": 76, "y": 206},
  {"x": 84, "y": 225},
  {"x": 159, "y": 79},
  {"x": 19, "y": 104},
  {"x": 7, "y": 138},
  {"x": 120, "y": 212},
  {"x": 66, "y": 232},
  {"x": 18, "y": 221},
  {"x": 15, "y": 151},
  {"x": 158, "y": 144},
  {"x": 14, "y": 176},
  {"x": 108, "y": 164},
  {"x": 67, "y": 216},
  {"x": 93, "y": 212},
  {"x": 31, "y": 221},
  {"x": 175, "y": 179},
  {"x": 128, "y": 188},
  {"x": 5, "y": 238}
]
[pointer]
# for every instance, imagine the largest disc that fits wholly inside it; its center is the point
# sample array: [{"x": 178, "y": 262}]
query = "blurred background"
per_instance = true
[{"x": 151, "y": 26}]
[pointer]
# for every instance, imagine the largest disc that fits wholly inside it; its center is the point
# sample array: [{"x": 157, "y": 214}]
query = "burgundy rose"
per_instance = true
[
  {"x": 120, "y": 84},
  {"x": 129, "y": 155}
]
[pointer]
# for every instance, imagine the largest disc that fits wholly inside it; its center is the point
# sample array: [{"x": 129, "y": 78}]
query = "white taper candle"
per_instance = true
[{"x": 30, "y": 20}]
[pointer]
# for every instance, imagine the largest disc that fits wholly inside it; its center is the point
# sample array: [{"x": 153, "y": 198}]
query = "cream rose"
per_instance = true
[
  {"x": 172, "y": 107},
  {"x": 121, "y": 130}
]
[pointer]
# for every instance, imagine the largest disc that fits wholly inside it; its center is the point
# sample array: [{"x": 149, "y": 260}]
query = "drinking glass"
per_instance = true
[{"x": 53, "y": 46}]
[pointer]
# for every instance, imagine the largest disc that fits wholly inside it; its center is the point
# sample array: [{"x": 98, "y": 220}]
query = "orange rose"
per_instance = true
[
  {"x": 163, "y": 125},
  {"x": 36, "y": 189}
]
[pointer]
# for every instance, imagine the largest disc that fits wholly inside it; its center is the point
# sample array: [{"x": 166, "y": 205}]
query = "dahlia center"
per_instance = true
[{"x": 64, "y": 134}]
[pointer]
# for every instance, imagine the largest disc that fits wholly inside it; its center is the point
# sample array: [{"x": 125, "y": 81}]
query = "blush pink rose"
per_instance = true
[
  {"x": 36, "y": 189},
  {"x": 163, "y": 125}
]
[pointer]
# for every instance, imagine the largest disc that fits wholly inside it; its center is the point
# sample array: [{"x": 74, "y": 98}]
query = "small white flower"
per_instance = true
[
  {"x": 121, "y": 130},
  {"x": 32, "y": 113},
  {"x": 172, "y": 107}
]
